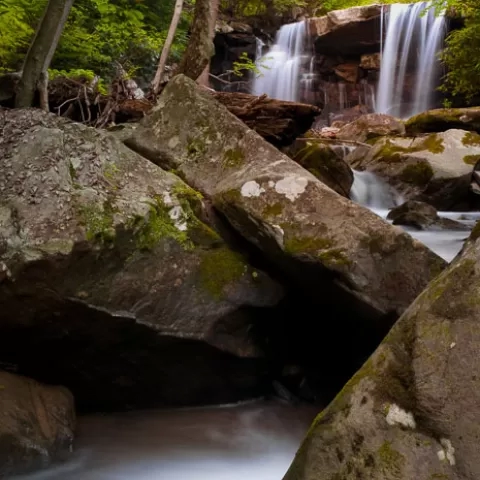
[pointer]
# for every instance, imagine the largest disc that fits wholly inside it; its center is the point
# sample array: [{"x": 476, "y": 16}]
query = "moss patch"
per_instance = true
[
  {"x": 419, "y": 173},
  {"x": 471, "y": 139},
  {"x": 471, "y": 159},
  {"x": 233, "y": 157},
  {"x": 393, "y": 153},
  {"x": 98, "y": 222},
  {"x": 219, "y": 268},
  {"x": 273, "y": 210},
  {"x": 392, "y": 462}
]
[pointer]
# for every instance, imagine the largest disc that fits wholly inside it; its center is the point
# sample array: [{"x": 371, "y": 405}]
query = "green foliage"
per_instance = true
[
  {"x": 244, "y": 64},
  {"x": 461, "y": 54},
  {"x": 98, "y": 35}
]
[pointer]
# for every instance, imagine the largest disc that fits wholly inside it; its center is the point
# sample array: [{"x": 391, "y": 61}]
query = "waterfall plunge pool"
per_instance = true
[{"x": 255, "y": 440}]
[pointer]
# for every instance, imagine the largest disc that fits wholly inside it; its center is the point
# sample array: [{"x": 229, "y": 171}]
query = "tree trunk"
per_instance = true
[
  {"x": 204, "y": 78},
  {"x": 200, "y": 47},
  {"x": 166, "y": 47},
  {"x": 41, "y": 51}
]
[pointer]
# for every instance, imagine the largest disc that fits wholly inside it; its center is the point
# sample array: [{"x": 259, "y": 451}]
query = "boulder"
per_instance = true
[
  {"x": 347, "y": 72},
  {"x": 108, "y": 275},
  {"x": 36, "y": 424},
  {"x": 325, "y": 243},
  {"x": 442, "y": 119},
  {"x": 411, "y": 411},
  {"x": 350, "y": 31},
  {"x": 371, "y": 126},
  {"x": 422, "y": 216},
  {"x": 325, "y": 162},
  {"x": 435, "y": 168}
]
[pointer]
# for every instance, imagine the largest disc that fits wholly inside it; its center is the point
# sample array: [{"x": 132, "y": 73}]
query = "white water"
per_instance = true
[
  {"x": 279, "y": 68},
  {"x": 411, "y": 40},
  {"x": 372, "y": 192},
  {"x": 256, "y": 440}
]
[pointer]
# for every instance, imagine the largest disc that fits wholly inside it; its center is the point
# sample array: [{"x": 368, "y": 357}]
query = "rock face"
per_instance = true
[
  {"x": 410, "y": 412},
  {"x": 436, "y": 168},
  {"x": 108, "y": 276},
  {"x": 323, "y": 160},
  {"x": 343, "y": 31},
  {"x": 36, "y": 424},
  {"x": 442, "y": 119},
  {"x": 370, "y": 126},
  {"x": 323, "y": 241},
  {"x": 422, "y": 216}
]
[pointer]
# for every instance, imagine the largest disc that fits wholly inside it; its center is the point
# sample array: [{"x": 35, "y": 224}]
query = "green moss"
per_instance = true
[
  {"x": 219, "y": 268},
  {"x": 98, "y": 222},
  {"x": 110, "y": 171},
  {"x": 419, "y": 173},
  {"x": 273, "y": 210},
  {"x": 471, "y": 139},
  {"x": 234, "y": 157},
  {"x": 389, "y": 152},
  {"x": 433, "y": 143},
  {"x": 295, "y": 244},
  {"x": 158, "y": 225},
  {"x": 439, "y": 476},
  {"x": 334, "y": 257},
  {"x": 72, "y": 171},
  {"x": 471, "y": 159},
  {"x": 196, "y": 147},
  {"x": 391, "y": 461}
]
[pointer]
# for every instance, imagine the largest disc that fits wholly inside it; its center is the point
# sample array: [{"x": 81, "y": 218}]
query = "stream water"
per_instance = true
[
  {"x": 375, "y": 194},
  {"x": 256, "y": 440}
]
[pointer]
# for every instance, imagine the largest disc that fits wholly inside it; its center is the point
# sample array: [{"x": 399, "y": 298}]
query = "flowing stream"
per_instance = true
[
  {"x": 375, "y": 194},
  {"x": 256, "y": 440}
]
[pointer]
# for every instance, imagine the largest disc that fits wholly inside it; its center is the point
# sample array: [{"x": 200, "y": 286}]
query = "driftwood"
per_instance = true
[{"x": 277, "y": 121}]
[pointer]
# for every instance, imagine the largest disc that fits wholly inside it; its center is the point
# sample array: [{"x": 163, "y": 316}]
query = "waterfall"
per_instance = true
[
  {"x": 280, "y": 67},
  {"x": 412, "y": 39},
  {"x": 259, "y": 44},
  {"x": 342, "y": 96}
]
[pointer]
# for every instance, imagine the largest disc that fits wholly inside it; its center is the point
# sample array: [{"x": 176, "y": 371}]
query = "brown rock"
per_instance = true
[
  {"x": 347, "y": 72},
  {"x": 370, "y": 61},
  {"x": 36, "y": 424},
  {"x": 371, "y": 126}
]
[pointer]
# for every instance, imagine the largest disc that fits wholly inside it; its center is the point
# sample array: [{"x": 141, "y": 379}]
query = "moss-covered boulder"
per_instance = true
[
  {"x": 325, "y": 243},
  {"x": 442, "y": 119},
  {"x": 36, "y": 424},
  {"x": 110, "y": 283},
  {"x": 412, "y": 411},
  {"x": 434, "y": 168},
  {"x": 324, "y": 160},
  {"x": 371, "y": 126}
]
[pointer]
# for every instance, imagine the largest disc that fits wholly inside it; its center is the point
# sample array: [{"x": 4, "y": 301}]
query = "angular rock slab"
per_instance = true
[
  {"x": 441, "y": 119},
  {"x": 36, "y": 424},
  {"x": 413, "y": 410},
  {"x": 437, "y": 166},
  {"x": 318, "y": 237},
  {"x": 370, "y": 126},
  {"x": 107, "y": 273}
]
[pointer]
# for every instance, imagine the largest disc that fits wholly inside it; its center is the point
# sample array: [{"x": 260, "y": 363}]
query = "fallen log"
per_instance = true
[{"x": 277, "y": 121}]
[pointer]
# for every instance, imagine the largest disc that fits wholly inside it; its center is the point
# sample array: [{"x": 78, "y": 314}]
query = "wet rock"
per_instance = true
[
  {"x": 325, "y": 162},
  {"x": 347, "y": 72},
  {"x": 370, "y": 61},
  {"x": 109, "y": 276},
  {"x": 442, "y": 119},
  {"x": 371, "y": 126},
  {"x": 36, "y": 424},
  {"x": 422, "y": 216},
  {"x": 410, "y": 411},
  {"x": 322, "y": 241},
  {"x": 350, "y": 31},
  {"x": 435, "y": 168}
]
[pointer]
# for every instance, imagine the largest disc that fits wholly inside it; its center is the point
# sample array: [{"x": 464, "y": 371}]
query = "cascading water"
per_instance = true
[
  {"x": 413, "y": 36},
  {"x": 279, "y": 68},
  {"x": 374, "y": 193}
]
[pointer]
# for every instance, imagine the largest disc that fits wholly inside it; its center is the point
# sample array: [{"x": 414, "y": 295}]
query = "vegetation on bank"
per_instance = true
[{"x": 101, "y": 35}]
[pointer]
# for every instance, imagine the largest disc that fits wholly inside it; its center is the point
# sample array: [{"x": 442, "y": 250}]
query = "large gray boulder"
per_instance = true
[
  {"x": 436, "y": 168},
  {"x": 36, "y": 424},
  {"x": 412, "y": 411},
  {"x": 329, "y": 245},
  {"x": 108, "y": 276}
]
